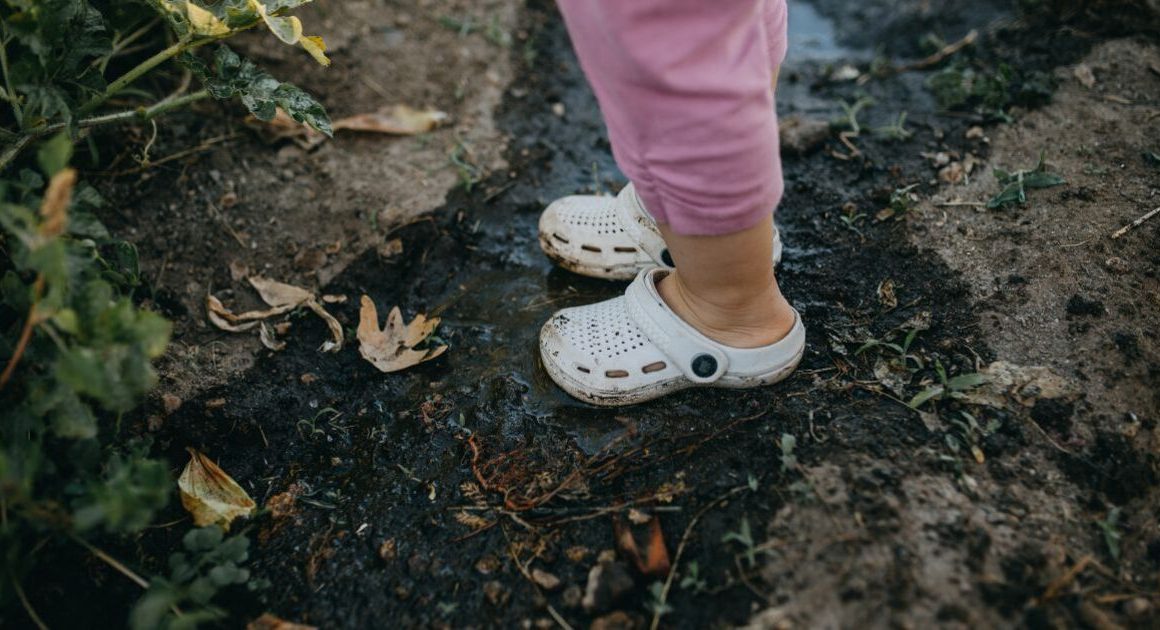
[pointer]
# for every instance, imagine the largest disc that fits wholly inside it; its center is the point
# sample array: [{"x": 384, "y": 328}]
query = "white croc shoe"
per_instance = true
[
  {"x": 613, "y": 238},
  {"x": 634, "y": 348}
]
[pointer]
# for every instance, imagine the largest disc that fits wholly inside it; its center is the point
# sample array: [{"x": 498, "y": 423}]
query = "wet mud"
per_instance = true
[{"x": 420, "y": 498}]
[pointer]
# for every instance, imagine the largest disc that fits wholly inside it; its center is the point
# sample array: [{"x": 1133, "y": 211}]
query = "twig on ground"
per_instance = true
[
  {"x": 1058, "y": 584},
  {"x": 1135, "y": 224},
  {"x": 941, "y": 55},
  {"x": 204, "y": 146}
]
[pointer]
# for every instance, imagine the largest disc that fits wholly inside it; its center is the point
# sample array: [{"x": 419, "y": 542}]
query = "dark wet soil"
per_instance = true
[{"x": 419, "y": 494}]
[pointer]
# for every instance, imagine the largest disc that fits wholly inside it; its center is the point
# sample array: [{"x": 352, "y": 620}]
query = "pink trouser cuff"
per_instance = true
[{"x": 685, "y": 89}]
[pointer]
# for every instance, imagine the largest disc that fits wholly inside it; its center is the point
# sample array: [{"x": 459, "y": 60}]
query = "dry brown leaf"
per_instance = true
[
  {"x": 338, "y": 338},
  {"x": 394, "y": 120},
  {"x": 279, "y": 294},
  {"x": 223, "y": 318},
  {"x": 392, "y": 348},
  {"x": 209, "y": 494},
  {"x": 281, "y": 298},
  {"x": 398, "y": 119},
  {"x": 54, "y": 208},
  {"x": 271, "y": 622},
  {"x": 266, "y": 335}
]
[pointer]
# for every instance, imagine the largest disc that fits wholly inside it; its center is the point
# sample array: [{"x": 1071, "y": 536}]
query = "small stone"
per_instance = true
[
  {"x": 577, "y": 553},
  {"x": 216, "y": 403},
  {"x": 391, "y": 248},
  {"x": 1138, "y": 607},
  {"x": 801, "y": 135},
  {"x": 487, "y": 564},
  {"x": 607, "y": 583},
  {"x": 238, "y": 271},
  {"x": 1083, "y": 73},
  {"x": 1116, "y": 264},
  {"x": 496, "y": 593},
  {"x": 170, "y": 403},
  {"x": 545, "y": 580},
  {"x": 974, "y": 133},
  {"x": 389, "y": 550},
  {"x": 309, "y": 259},
  {"x": 558, "y": 109},
  {"x": 572, "y": 596}
]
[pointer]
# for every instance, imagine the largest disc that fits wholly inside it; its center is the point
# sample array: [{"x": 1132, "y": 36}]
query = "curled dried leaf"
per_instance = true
[
  {"x": 279, "y": 294},
  {"x": 266, "y": 334},
  {"x": 209, "y": 494},
  {"x": 336, "y": 333},
  {"x": 397, "y": 119},
  {"x": 223, "y": 318},
  {"x": 392, "y": 348}
]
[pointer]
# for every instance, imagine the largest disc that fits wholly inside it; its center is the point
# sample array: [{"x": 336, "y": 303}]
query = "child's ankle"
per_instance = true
[{"x": 734, "y": 319}]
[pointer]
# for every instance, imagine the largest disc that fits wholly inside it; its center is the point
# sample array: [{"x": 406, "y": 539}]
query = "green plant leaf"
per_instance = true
[
  {"x": 54, "y": 154},
  {"x": 965, "y": 381},
  {"x": 925, "y": 395},
  {"x": 262, "y": 94}
]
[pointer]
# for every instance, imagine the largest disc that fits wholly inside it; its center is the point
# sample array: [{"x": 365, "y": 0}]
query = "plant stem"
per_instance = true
[
  {"x": 145, "y": 66},
  {"x": 146, "y": 113},
  {"x": 25, "y": 333},
  {"x": 13, "y": 99},
  {"x": 111, "y": 561}
]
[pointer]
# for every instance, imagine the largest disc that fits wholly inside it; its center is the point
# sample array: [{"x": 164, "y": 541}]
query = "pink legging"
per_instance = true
[{"x": 685, "y": 89}]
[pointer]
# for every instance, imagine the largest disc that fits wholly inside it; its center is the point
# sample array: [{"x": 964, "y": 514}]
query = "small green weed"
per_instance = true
[
  {"x": 952, "y": 387},
  {"x": 744, "y": 536},
  {"x": 1112, "y": 535},
  {"x": 1015, "y": 184},
  {"x": 692, "y": 580}
]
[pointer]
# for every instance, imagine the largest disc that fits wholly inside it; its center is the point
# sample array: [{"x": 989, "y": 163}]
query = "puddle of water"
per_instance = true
[{"x": 811, "y": 36}]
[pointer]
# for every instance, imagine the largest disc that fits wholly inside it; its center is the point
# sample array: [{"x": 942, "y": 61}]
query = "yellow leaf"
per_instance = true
[
  {"x": 204, "y": 22},
  {"x": 288, "y": 28},
  {"x": 316, "y": 47},
  {"x": 209, "y": 494},
  {"x": 392, "y": 349}
]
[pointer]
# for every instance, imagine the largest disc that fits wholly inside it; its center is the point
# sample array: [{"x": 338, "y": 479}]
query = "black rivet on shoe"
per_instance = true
[
  {"x": 704, "y": 365},
  {"x": 666, "y": 258}
]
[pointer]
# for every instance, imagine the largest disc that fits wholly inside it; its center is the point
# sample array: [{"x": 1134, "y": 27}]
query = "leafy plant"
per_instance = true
[
  {"x": 744, "y": 536},
  {"x": 787, "y": 444},
  {"x": 901, "y": 352},
  {"x": 75, "y": 349},
  {"x": 208, "y": 563},
  {"x": 952, "y": 387},
  {"x": 55, "y": 56},
  {"x": 970, "y": 434},
  {"x": 1111, "y": 531},
  {"x": 896, "y": 130},
  {"x": 692, "y": 579},
  {"x": 1015, "y": 184}
]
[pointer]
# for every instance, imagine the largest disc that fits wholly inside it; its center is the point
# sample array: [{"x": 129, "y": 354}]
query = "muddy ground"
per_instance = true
[{"x": 433, "y": 496}]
